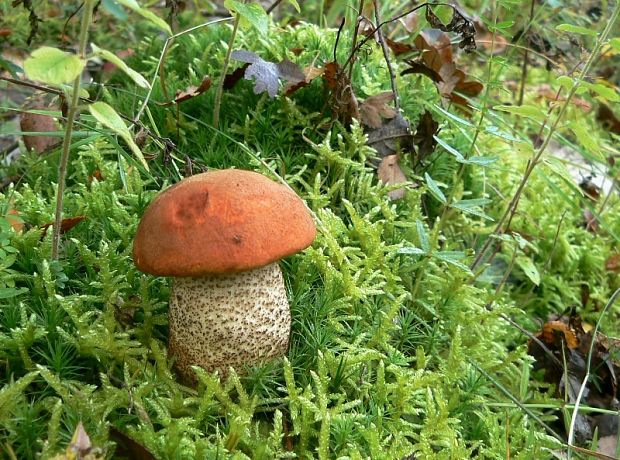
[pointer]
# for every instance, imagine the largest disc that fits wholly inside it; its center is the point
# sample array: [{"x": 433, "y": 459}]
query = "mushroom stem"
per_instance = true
[{"x": 236, "y": 319}]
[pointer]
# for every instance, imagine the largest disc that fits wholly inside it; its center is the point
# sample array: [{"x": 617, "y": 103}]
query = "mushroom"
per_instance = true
[{"x": 220, "y": 234}]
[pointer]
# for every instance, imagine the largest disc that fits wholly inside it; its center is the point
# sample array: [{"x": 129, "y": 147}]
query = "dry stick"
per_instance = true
[
  {"x": 512, "y": 207},
  {"x": 66, "y": 143},
  {"x": 386, "y": 55},
  {"x": 360, "y": 12},
  {"x": 525, "y": 56}
]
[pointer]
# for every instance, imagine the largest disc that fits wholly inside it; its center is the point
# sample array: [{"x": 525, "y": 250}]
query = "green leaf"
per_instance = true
[
  {"x": 473, "y": 207},
  {"x": 615, "y": 44},
  {"x": 112, "y": 7},
  {"x": 576, "y": 29},
  {"x": 53, "y": 66},
  {"x": 295, "y": 5},
  {"x": 424, "y": 241},
  {"x": 146, "y": 14},
  {"x": 412, "y": 251},
  {"x": 459, "y": 157},
  {"x": 251, "y": 13},
  {"x": 453, "y": 258},
  {"x": 527, "y": 111},
  {"x": 528, "y": 267},
  {"x": 108, "y": 117},
  {"x": 118, "y": 62},
  {"x": 434, "y": 188},
  {"x": 6, "y": 293},
  {"x": 606, "y": 92},
  {"x": 586, "y": 138}
]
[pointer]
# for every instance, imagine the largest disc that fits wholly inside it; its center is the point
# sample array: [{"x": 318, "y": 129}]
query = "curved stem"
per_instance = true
[{"x": 220, "y": 86}]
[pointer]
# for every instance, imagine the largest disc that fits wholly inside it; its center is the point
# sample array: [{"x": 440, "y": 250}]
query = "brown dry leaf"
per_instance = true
[
  {"x": 342, "y": 101},
  {"x": 546, "y": 92},
  {"x": 14, "y": 219},
  {"x": 65, "y": 225},
  {"x": 392, "y": 137},
  {"x": 554, "y": 329},
  {"x": 32, "y": 123},
  {"x": 109, "y": 67},
  {"x": 191, "y": 91},
  {"x": 231, "y": 79},
  {"x": 5, "y": 32},
  {"x": 331, "y": 74},
  {"x": 612, "y": 263},
  {"x": 497, "y": 43},
  {"x": 399, "y": 48},
  {"x": 389, "y": 173},
  {"x": 311, "y": 73},
  {"x": 424, "y": 137},
  {"x": 436, "y": 63},
  {"x": 375, "y": 107}
]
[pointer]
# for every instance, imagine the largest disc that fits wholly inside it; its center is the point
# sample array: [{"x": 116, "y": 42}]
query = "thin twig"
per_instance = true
[
  {"x": 386, "y": 55},
  {"x": 273, "y": 6},
  {"x": 525, "y": 56},
  {"x": 358, "y": 21}
]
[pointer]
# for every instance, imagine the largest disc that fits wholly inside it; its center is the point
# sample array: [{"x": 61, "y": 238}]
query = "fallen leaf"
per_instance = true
[
  {"x": 424, "y": 137},
  {"x": 5, "y": 32},
  {"x": 231, "y": 79},
  {"x": 342, "y": 101},
  {"x": 399, "y": 48},
  {"x": 436, "y": 63},
  {"x": 14, "y": 219},
  {"x": 375, "y": 107},
  {"x": 389, "y": 173},
  {"x": 36, "y": 123},
  {"x": 311, "y": 73},
  {"x": 612, "y": 263},
  {"x": 266, "y": 74},
  {"x": 191, "y": 91},
  {"x": 65, "y": 225},
  {"x": 392, "y": 137}
]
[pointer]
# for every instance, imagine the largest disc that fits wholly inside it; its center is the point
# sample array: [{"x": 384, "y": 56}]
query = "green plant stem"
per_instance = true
[
  {"x": 220, "y": 86},
  {"x": 71, "y": 114},
  {"x": 514, "y": 202}
]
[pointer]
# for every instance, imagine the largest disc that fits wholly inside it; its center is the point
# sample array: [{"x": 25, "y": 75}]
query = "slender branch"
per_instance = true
[
  {"x": 386, "y": 55},
  {"x": 525, "y": 56},
  {"x": 71, "y": 114},
  {"x": 360, "y": 16}
]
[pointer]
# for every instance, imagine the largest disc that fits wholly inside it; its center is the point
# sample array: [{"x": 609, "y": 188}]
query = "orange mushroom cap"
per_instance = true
[{"x": 221, "y": 222}]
